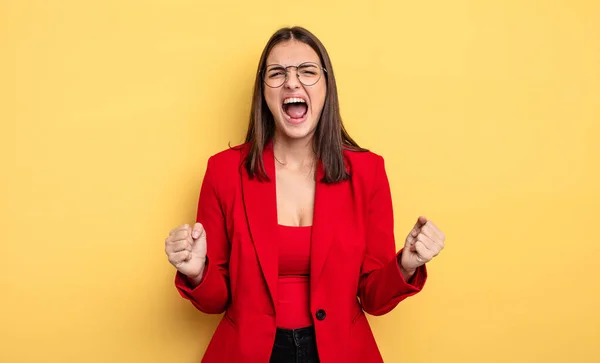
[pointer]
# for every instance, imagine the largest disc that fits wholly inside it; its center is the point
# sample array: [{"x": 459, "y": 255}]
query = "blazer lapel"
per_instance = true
[
  {"x": 326, "y": 215},
  {"x": 260, "y": 202}
]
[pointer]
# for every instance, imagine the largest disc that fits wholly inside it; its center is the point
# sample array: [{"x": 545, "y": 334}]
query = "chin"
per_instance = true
[
  {"x": 300, "y": 136},
  {"x": 297, "y": 132}
]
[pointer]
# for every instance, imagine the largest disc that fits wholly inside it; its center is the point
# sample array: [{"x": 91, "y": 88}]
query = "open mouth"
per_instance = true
[{"x": 295, "y": 108}]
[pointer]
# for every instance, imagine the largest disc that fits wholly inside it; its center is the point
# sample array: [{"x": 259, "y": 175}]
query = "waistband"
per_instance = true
[{"x": 296, "y": 335}]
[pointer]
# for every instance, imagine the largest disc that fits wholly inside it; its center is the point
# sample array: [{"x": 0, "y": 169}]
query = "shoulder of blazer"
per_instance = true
[
  {"x": 229, "y": 160},
  {"x": 365, "y": 166},
  {"x": 223, "y": 171}
]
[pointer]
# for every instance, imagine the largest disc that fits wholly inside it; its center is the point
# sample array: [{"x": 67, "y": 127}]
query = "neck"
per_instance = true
[{"x": 293, "y": 153}]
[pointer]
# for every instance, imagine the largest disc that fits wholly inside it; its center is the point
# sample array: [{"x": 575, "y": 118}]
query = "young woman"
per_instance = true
[{"x": 294, "y": 238}]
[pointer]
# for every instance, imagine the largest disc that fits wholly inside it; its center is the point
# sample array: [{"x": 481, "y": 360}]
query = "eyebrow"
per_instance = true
[{"x": 307, "y": 64}]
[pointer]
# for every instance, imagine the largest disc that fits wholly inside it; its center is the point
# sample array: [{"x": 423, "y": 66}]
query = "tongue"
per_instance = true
[{"x": 296, "y": 110}]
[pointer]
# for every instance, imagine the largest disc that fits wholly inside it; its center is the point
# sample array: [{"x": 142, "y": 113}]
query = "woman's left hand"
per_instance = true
[{"x": 423, "y": 243}]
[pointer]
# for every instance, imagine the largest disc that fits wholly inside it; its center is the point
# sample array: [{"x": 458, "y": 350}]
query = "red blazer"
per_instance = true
[{"x": 354, "y": 265}]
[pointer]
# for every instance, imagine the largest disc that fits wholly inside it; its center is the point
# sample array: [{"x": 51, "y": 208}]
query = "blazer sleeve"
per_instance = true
[
  {"x": 213, "y": 293},
  {"x": 381, "y": 285}
]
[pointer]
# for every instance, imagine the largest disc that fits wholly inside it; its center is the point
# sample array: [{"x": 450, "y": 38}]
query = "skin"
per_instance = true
[
  {"x": 293, "y": 53},
  {"x": 295, "y": 160}
]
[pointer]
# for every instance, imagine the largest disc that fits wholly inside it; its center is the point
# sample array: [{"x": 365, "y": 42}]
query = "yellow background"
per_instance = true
[{"x": 487, "y": 113}]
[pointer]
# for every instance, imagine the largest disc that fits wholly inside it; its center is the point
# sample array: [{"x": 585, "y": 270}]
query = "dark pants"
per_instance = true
[{"x": 295, "y": 346}]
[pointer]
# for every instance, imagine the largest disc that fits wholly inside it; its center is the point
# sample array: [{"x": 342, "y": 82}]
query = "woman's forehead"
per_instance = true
[{"x": 291, "y": 53}]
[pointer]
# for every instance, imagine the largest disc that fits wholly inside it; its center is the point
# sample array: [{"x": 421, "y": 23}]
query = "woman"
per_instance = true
[{"x": 294, "y": 236}]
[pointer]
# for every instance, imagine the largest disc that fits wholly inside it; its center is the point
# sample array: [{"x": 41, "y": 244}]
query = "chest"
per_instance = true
[{"x": 295, "y": 195}]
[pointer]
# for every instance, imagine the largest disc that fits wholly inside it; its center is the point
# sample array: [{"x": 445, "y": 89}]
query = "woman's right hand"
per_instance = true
[{"x": 186, "y": 250}]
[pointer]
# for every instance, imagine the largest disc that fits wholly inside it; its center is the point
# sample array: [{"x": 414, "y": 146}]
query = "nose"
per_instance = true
[{"x": 292, "y": 81}]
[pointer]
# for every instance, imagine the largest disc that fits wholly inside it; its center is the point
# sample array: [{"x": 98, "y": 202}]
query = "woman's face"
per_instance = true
[{"x": 295, "y": 107}]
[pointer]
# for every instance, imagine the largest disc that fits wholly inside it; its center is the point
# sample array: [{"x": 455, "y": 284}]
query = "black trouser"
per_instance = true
[{"x": 295, "y": 346}]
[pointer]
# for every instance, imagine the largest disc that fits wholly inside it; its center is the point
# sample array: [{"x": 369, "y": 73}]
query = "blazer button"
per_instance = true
[{"x": 320, "y": 314}]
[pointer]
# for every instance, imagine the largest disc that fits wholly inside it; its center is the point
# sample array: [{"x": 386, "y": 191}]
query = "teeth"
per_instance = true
[{"x": 293, "y": 100}]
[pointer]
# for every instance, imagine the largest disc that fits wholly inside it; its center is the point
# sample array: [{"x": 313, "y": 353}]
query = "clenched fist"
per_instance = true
[
  {"x": 186, "y": 250},
  {"x": 423, "y": 243}
]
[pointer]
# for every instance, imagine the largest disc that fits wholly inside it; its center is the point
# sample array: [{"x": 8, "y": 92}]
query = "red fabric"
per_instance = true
[
  {"x": 293, "y": 310},
  {"x": 353, "y": 254}
]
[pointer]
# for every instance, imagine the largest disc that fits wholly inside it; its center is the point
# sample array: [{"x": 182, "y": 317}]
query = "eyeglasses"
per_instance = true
[{"x": 308, "y": 74}]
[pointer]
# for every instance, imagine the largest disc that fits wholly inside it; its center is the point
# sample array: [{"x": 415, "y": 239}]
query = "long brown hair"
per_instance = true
[{"x": 330, "y": 138}]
